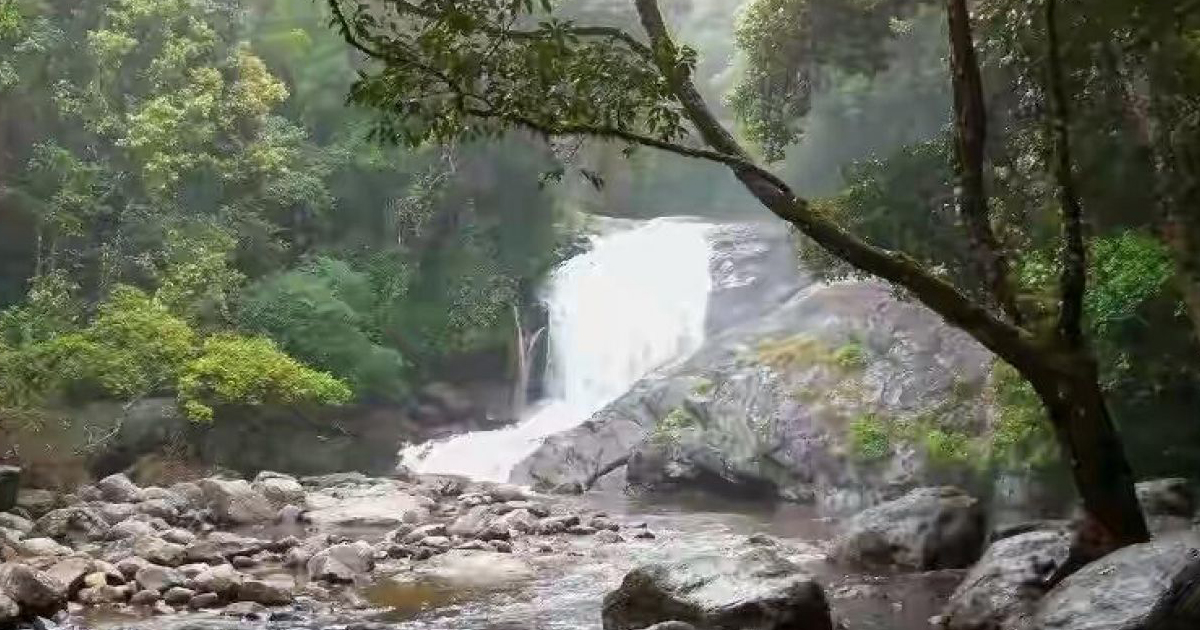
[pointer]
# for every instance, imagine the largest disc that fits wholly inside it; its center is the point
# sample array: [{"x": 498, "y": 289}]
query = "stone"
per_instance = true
[
  {"x": 290, "y": 515},
  {"x": 158, "y": 508},
  {"x": 299, "y": 555},
  {"x": 645, "y": 534},
  {"x": 503, "y": 492},
  {"x": 236, "y": 502},
  {"x": 204, "y": 600},
  {"x": 75, "y": 525},
  {"x": 15, "y": 522},
  {"x": 264, "y": 592},
  {"x": 475, "y": 569},
  {"x": 243, "y": 562},
  {"x": 190, "y": 493},
  {"x": 42, "y": 547},
  {"x": 383, "y": 505},
  {"x": 280, "y": 490},
  {"x": 603, "y": 522},
  {"x": 179, "y": 536},
  {"x": 521, "y": 521},
  {"x": 251, "y": 610},
  {"x": 671, "y": 625},
  {"x": 130, "y": 528},
  {"x": 425, "y": 531},
  {"x": 37, "y": 502},
  {"x": 222, "y": 579},
  {"x": 153, "y": 577},
  {"x": 130, "y": 566},
  {"x": 10, "y": 611},
  {"x": 97, "y": 595},
  {"x": 556, "y": 524},
  {"x": 754, "y": 589},
  {"x": 1149, "y": 586},
  {"x": 34, "y": 591},
  {"x": 119, "y": 489},
  {"x": 581, "y": 530},
  {"x": 469, "y": 525},
  {"x": 342, "y": 562},
  {"x": 217, "y": 547},
  {"x": 1167, "y": 497},
  {"x": 1003, "y": 588},
  {"x": 70, "y": 572},
  {"x": 926, "y": 529},
  {"x": 146, "y": 598},
  {"x": 607, "y": 536},
  {"x": 96, "y": 580},
  {"x": 159, "y": 551},
  {"x": 113, "y": 513},
  {"x": 178, "y": 596}
]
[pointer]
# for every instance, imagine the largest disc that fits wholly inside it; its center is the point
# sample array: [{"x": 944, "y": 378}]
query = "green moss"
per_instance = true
[
  {"x": 1022, "y": 436},
  {"x": 703, "y": 387},
  {"x": 869, "y": 439},
  {"x": 671, "y": 427},
  {"x": 801, "y": 350},
  {"x": 950, "y": 448},
  {"x": 852, "y": 355}
]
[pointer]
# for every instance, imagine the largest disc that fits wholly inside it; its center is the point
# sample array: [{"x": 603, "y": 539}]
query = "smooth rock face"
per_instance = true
[
  {"x": 1151, "y": 586},
  {"x": 926, "y": 529},
  {"x": 1167, "y": 497},
  {"x": 756, "y": 589},
  {"x": 70, "y": 572},
  {"x": 235, "y": 502},
  {"x": 1004, "y": 587}
]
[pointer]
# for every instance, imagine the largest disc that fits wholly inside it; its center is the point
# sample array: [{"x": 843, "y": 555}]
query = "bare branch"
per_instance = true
[
  {"x": 1073, "y": 254},
  {"x": 970, "y": 137}
]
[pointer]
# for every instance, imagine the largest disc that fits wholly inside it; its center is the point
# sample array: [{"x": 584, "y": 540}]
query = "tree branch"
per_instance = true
[
  {"x": 1073, "y": 256},
  {"x": 970, "y": 126}
]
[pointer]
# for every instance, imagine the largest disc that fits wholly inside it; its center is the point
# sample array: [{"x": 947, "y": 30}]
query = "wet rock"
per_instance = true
[
  {"x": 926, "y": 529},
  {"x": 217, "y": 547},
  {"x": 42, "y": 547},
  {"x": 608, "y": 536},
  {"x": 1003, "y": 588},
  {"x": 204, "y": 600},
  {"x": 471, "y": 524},
  {"x": 476, "y": 569},
  {"x": 113, "y": 513},
  {"x": 179, "y": 536},
  {"x": 235, "y": 502},
  {"x": 299, "y": 555},
  {"x": 243, "y": 562},
  {"x": 425, "y": 531},
  {"x": 97, "y": 595},
  {"x": 581, "y": 530},
  {"x": 265, "y": 593},
  {"x": 556, "y": 524},
  {"x": 342, "y": 562},
  {"x": 146, "y": 598},
  {"x": 70, "y": 573},
  {"x": 1167, "y": 497},
  {"x": 119, "y": 489},
  {"x": 290, "y": 515},
  {"x": 36, "y": 502},
  {"x": 72, "y": 525},
  {"x": 645, "y": 534},
  {"x": 279, "y": 489},
  {"x": 755, "y": 589},
  {"x": 34, "y": 591},
  {"x": 521, "y": 521},
  {"x": 223, "y": 580},
  {"x": 503, "y": 492},
  {"x": 1150, "y": 586},
  {"x": 157, "y": 508},
  {"x": 244, "y": 610},
  {"x": 500, "y": 546},
  {"x": 384, "y": 505},
  {"x": 130, "y": 528},
  {"x": 9, "y": 610},
  {"x": 15, "y": 522},
  {"x": 439, "y": 543},
  {"x": 159, "y": 551},
  {"x": 603, "y": 522},
  {"x": 178, "y": 596},
  {"x": 153, "y": 577},
  {"x": 130, "y": 566},
  {"x": 474, "y": 545}
]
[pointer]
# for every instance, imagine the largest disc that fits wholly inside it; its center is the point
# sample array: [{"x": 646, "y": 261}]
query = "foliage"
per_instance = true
[
  {"x": 1021, "y": 437},
  {"x": 671, "y": 427},
  {"x": 251, "y": 371},
  {"x": 851, "y": 355},
  {"x": 869, "y": 440}
]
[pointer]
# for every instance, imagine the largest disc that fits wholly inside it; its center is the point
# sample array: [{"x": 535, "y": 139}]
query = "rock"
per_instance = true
[
  {"x": 290, "y": 515},
  {"x": 97, "y": 579},
  {"x": 342, "y": 562},
  {"x": 70, "y": 573},
  {"x": 243, "y": 562},
  {"x": 280, "y": 490},
  {"x": 475, "y": 569},
  {"x": 581, "y": 530},
  {"x": 235, "y": 502},
  {"x": 130, "y": 566},
  {"x": 645, "y": 534},
  {"x": 144, "y": 598},
  {"x": 119, "y": 489},
  {"x": 1150, "y": 586},
  {"x": 471, "y": 524},
  {"x": 192, "y": 570},
  {"x": 37, "y": 502},
  {"x": 179, "y": 536},
  {"x": 671, "y": 625},
  {"x": 9, "y": 610},
  {"x": 158, "y": 579},
  {"x": 1003, "y": 588},
  {"x": 42, "y": 547},
  {"x": 603, "y": 522},
  {"x": 130, "y": 528},
  {"x": 159, "y": 551},
  {"x": 191, "y": 493},
  {"x": 222, "y": 580},
  {"x": 755, "y": 589},
  {"x": 425, "y": 531},
  {"x": 299, "y": 555},
  {"x": 556, "y": 524},
  {"x": 1167, "y": 497},
  {"x": 204, "y": 600},
  {"x": 383, "y": 505},
  {"x": 503, "y": 492},
  {"x": 16, "y": 523},
  {"x": 926, "y": 529},
  {"x": 113, "y": 513},
  {"x": 178, "y": 596},
  {"x": 157, "y": 508},
  {"x": 521, "y": 521},
  {"x": 244, "y": 610},
  {"x": 34, "y": 591},
  {"x": 265, "y": 593},
  {"x": 97, "y": 595},
  {"x": 217, "y": 547},
  {"x": 440, "y": 543},
  {"x": 607, "y": 536},
  {"x": 73, "y": 525}
]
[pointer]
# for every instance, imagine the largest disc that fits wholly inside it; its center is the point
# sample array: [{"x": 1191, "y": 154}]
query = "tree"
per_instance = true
[{"x": 447, "y": 69}]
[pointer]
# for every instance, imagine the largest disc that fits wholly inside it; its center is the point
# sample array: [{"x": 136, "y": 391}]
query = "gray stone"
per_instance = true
[
  {"x": 219, "y": 546},
  {"x": 265, "y": 593},
  {"x": 521, "y": 521},
  {"x": 74, "y": 524},
  {"x": 15, "y": 522},
  {"x": 34, "y": 591},
  {"x": 926, "y": 529},
  {"x": 754, "y": 589},
  {"x": 153, "y": 577},
  {"x": 144, "y": 598},
  {"x": 1167, "y": 497},
  {"x": 130, "y": 528},
  {"x": 119, "y": 489},
  {"x": 179, "y": 536},
  {"x": 244, "y": 610},
  {"x": 37, "y": 502},
  {"x": 158, "y": 508},
  {"x": 42, "y": 547},
  {"x": 556, "y": 524},
  {"x": 97, "y": 595},
  {"x": 469, "y": 525},
  {"x": 204, "y": 600},
  {"x": 178, "y": 596},
  {"x": 222, "y": 579},
  {"x": 10, "y": 611},
  {"x": 113, "y": 513},
  {"x": 425, "y": 531},
  {"x": 159, "y": 551},
  {"x": 342, "y": 562},
  {"x": 235, "y": 502},
  {"x": 607, "y": 536},
  {"x": 280, "y": 490},
  {"x": 70, "y": 572},
  {"x": 1003, "y": 588}
]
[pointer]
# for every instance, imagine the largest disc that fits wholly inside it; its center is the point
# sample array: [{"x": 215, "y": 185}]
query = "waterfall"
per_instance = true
[{"x": 635, "y": 302}]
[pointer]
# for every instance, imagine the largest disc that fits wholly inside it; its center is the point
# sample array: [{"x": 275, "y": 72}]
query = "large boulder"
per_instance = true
[
  {"x": 153, "y": 577},
  {"x": 1004, "y": 587},
  {"x": 159, "y": 551},
  {"x": 924, "y": 530},
  {"x": 70, "y": 572},
  {"x": 342, "y": 562},
  {"x": 1150, "y": 586},
  {"x": 383, "y": 504},
  {"x": 34, "y": 591},
  {"x": 75, "y": 524},
  {"x": 279, "y": 489},
  {"x": 755, "y": 589},
  {"x": 223, "y": 579},
  {"x": 118, "y": 489},
  {"x": 233, "y": 501}
]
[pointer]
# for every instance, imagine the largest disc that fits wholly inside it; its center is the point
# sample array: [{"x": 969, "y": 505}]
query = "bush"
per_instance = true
[
  {"x": 251, "y": 371},
  {"x": 869, "y": 440}
]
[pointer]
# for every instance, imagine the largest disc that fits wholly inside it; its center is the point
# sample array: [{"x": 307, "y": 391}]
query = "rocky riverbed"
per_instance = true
[{"x": 425, "y": 552}]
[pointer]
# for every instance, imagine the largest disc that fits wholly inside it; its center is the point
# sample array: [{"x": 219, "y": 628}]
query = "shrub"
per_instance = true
[
  {"x": 233, "y": 369},
  {"x": 1022, "y": 436},
  {"x": 869, "y": 440}
]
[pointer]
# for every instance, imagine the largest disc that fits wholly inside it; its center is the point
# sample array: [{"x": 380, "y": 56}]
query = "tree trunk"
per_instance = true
[{"x": 1070, "y": 390}]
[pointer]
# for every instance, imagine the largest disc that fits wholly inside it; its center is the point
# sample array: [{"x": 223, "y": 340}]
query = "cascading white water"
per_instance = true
[{"x": 632, "y": 304}]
